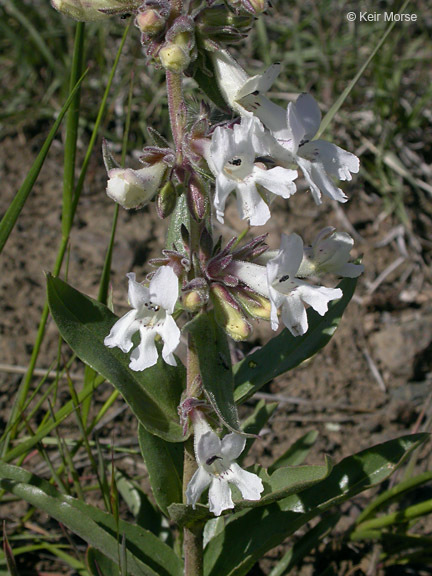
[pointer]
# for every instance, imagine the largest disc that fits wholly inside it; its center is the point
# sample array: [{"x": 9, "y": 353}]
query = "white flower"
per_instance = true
[
  {"x": 319, "y": 160},
  {"x": 217, "y": 469},
  {"x": 330, "y": 253},
  {"x": 234, "y": 83},
  {"x": 291, "y": 294},
  {"x": 92, "y": 10},
  {"x": 134, "y": 188},
  {"x": 232, "y": 157},
  {"x": 151, "y": 315},
  {"x": 278, "y": 278}
]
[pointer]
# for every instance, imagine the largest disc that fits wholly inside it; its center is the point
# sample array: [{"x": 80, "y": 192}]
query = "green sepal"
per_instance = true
[{"x": 153, "y": 395}]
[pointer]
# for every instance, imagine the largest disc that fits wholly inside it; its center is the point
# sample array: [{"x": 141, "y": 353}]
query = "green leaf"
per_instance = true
[
  {"x": 138, "y": 503},
  {"x": 12, "y": 213},
  {"x": 164, "y": 462},
  {"x": 214, "y": 360},
  {"x": 304, "y": 545},
  {"x": 255, "y": 422},
  {"x": 153, "y": 394},
  {"x": 100, "y": 565},
  {"x": 285, "y": 351},
  {"x": 184, "y": 515},
  {"x": 146, "y": 555},
  {"x": 255, "y": 532},
  {"x": 285, "y": 482},
  {"x": 297, "y": 452}
]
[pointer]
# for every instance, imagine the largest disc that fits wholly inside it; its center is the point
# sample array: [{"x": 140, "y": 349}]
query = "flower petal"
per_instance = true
[
  {"x": 295, "y": 127},
  {"x": 251, "y": 205},
  {"x": 137, "y": 293},
  {"x": 197, "y": 484},
  {"x": 163, "y": 288},
  {"x": 208, "y": 445},
  {"x": 277, "y": 180},
  {"x": 294, "y": 315},
  {"x": 232, "y": 446},
  {"x": 336, "y": 161},
  {"x": 145, "y": 354},
  {"x": 261, "y": 83},
  {"x": 309, "y": 114},
  {"x": 319, "y": 181},
  {"x": 220, "y": 496},
  {"x": 249, "y": 484},
  {"x": 318, "y": 297},
  {"x": 122, "y": 331},
  {"x": 170, "y": 334}
]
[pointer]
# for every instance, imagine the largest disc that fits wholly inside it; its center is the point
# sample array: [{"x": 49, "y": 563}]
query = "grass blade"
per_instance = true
[{"x": 12, "y": 213}]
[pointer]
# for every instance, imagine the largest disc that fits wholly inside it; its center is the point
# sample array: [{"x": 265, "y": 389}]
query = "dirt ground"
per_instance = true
[{"x": 371, "y": 384}]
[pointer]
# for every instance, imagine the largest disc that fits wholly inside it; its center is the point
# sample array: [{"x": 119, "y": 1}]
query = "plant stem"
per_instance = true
[
  {"x": 193, "y": 548},
  {"x": 175, "y": 107},
  {"x": 193, "y": 535}
]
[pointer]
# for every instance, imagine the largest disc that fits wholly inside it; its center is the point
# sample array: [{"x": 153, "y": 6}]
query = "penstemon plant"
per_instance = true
[{"x": 223, "y": 517}]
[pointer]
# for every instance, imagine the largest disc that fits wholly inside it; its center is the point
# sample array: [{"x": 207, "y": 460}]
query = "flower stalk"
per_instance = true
[{"x": 193, "y": 535}]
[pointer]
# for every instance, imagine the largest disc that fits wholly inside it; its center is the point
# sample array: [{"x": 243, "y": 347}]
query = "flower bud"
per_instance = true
[
  {"x": 150, "y": 22},
  {"x": 228, "y": 313},
  {"x": 196, "y": 197},
  {"x": 254, "y": 7},
  {"x": 194, "y": 300},
  {"x": 254, "y": 304},
  {"x": 93, "y": 10},
  {"x": 173, "y": 57},
  {"x": 134, "y": 188},
  {"x": 166, "y": 200}
]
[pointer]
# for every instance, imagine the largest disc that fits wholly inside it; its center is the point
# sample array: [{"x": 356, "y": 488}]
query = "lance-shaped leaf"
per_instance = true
[
  {"x": 153, "y": 394},
  {"x": 146, "y": 555},
  {"x": 215, "y": 367},
  {"x": 297, "y": 452},
  {"x": 285, "y": 351},
  {"x": 255, "y": 532},
  {"x": 164, "y": 462}
]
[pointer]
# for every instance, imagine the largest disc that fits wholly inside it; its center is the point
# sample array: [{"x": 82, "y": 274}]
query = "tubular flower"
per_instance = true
[
  {"x": 330, "y": 253},
  {"x": 235, "y": 84},
  {"x": 134, "y": 188},
  {"x": 151, "y": 316},
  {"x": 291, "y": 294},
  {"x": 92, "y": 10},
  {"x": 217, "y": 469},
  {"x": 319, "y": 160},
  {"x": 280, "y": 281},
  {"x": 232, "y": 157}
]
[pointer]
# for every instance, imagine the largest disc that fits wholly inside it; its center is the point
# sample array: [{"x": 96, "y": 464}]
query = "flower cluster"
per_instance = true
[
  {"x": 257, "y": 156},
  {"x": 270, "y": 136}
]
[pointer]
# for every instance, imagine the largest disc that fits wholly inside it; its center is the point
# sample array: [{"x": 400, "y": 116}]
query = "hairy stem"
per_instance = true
[
  {"x": 176, "y": 110},
  {"x": 192, "y": 536}
]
